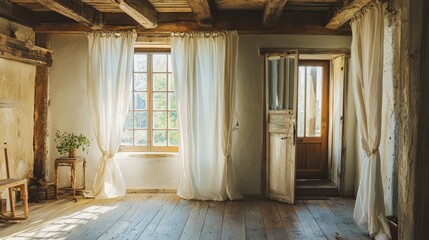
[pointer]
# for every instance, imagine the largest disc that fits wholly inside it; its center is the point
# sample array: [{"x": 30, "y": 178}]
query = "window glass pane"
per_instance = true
[
  {"x": 140, "y": 119},
  {"x": 140, "y": 99},
  {"x": 170, "y": 67},
  {"x": 127, "y": 138},
  {"x": 301, "y": 101},
  {"x": 129, "y": 120},
  {"x": 171, "y": 101},
  {"x": 130, "y": 102},
  {"x": 159, "y": 63},
  {"x": 173, "y": 138},
  {"x": 140, "y": 137},
  {"x": 160, "y": 137},
  {"x": 170, "y": 82},
  {"x": 140, "y": 81},
  {"x": 313, "y": 101},
  {"x": 140, "y": 63},
  {"x": 172, "y": 120},
  {"x": 160, "y": 101},
  {"x": 160, "y": 120},
  {"x": 159, "y": 82}
]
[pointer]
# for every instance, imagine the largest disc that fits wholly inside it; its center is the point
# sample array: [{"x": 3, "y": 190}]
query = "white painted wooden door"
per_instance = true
[{"x": 281, "y": 126}]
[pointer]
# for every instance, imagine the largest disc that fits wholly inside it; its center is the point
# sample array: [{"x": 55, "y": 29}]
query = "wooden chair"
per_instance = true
[{"x": 13, "y": 184}]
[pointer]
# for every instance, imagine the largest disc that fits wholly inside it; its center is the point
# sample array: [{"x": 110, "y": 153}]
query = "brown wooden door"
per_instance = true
[{"x": 312, "y": 120}]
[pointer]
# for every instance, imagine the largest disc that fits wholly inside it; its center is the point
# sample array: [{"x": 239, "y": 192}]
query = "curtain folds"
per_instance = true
[
  {"x": 204, "y": 68},
  {"x": 367, "y": 70},
  {"x": 110, "y": 73}
]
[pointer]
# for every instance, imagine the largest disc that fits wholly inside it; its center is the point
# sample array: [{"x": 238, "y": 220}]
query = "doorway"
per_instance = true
[{"x": 312, "y": 120}]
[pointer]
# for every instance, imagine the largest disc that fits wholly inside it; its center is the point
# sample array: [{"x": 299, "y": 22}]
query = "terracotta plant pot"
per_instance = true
[{"x": 73, "y": 153}]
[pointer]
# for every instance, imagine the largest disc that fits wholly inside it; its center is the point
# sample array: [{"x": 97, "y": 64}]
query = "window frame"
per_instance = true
[{"x": 149, "y": 108}]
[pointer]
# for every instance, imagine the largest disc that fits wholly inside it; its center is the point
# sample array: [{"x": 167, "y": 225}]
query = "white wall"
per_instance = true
[{"x": 69, "y": 110}]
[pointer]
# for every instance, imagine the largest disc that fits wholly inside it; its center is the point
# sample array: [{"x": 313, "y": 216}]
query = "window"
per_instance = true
[{"x": 151, "y": 124}]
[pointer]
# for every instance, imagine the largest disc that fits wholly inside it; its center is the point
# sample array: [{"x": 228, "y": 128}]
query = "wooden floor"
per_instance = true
[{"x": 166, "y": 216}]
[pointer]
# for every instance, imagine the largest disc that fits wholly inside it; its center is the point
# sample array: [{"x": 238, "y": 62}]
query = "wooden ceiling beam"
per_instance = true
[
  {"x": 14, "y": 49},
  {"x": 141, "y": 11},
  {"x": 304, "y": 23},
  {"x": 344, "y": 11},
  {"x": 76, "y": 10},
  {"x": 202, "y": 12},
  {"x": 16, "y": 13},
  {"x": 273, "y": 9}
]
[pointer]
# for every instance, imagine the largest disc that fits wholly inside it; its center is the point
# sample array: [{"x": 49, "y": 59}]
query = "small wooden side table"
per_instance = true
[{"x": 70, "y": 162}]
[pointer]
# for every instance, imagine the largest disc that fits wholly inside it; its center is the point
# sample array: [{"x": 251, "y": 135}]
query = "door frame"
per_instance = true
[{"x": 327, "y": 54}]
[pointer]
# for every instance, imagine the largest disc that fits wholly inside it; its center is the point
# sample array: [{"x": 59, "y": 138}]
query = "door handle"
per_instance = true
[{"x": 283, "y": 138}]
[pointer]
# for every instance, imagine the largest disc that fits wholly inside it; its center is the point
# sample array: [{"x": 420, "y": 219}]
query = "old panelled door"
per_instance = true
[{"x": 281, "y": 95}]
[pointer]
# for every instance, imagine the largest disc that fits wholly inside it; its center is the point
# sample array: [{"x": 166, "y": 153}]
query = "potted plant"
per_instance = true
[{"x": 70, "y": 143}]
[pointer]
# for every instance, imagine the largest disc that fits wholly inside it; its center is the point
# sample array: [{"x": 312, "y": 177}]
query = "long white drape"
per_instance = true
[
  {"x": 204, "y": 67},
  {"x": 367, "y": 67},
  {"x": 110, "y": 73}
]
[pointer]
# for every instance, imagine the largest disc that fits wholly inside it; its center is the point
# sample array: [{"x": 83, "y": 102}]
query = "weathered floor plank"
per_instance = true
[{"x": 166, "y": 216}]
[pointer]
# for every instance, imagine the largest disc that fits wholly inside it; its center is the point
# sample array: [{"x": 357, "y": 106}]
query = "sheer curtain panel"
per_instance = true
[
  {"x": 110, "y": 73},
  {"x": 204, "y": 68},
  {"x": 367, "y": 77}
]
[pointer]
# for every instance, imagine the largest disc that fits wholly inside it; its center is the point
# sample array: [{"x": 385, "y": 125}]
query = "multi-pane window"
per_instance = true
[{"x": 151, "y": 123}]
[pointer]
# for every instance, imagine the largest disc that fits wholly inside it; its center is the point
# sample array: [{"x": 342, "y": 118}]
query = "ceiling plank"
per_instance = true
[
  {"x": 17, "y": 13},
  {"x": 272, "y": 11},
  {"x": 141, "y": 11},
  {"x": 344, "y": 11},
  {"x": 14, "y": 49},
  {"x": 76, "y": 10},
  {"x": 202, "y": 12}
]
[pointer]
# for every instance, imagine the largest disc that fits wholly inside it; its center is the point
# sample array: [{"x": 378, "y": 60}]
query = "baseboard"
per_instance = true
[{"x": 141, "y": 190}]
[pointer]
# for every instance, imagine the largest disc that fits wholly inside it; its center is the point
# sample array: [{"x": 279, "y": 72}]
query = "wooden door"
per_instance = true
[
  {"x": 312, "y": 120},
  {"x": 281, "y": 79}
]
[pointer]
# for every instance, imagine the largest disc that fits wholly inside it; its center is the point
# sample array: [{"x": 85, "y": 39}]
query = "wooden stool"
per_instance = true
[
  {"x": 70, "y": 162},
  {"x": 14, "y": 184}
]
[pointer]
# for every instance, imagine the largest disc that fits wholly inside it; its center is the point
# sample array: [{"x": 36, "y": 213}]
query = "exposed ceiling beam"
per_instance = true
[
  {"x": 249, "y": 22},
  {"x": 272, "y": 11},
  {"x": 202, "y": 12},
  {"x": 141, "y": 11},
  {"x": 14, "y": 49},
  {"x": 76, "y": 10},
  {"x": 17, "y": 13},
  {"x": 344, "y": 10}
]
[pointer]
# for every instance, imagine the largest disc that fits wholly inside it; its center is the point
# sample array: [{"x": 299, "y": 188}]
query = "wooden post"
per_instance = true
[{"x": 41, "y": 114}]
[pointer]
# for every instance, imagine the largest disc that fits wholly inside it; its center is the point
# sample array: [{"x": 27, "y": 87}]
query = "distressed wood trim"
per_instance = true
[
  {"x": 76, "y": 10},
  {"x": 13, "y": 49},
  {"x": 202, "y": 12},
  {"x": 345, "y": 51},
  {"x": 273, "y": 9},
  {"x": 141, "y": 11},
  {"x": 344, "y": 10},
  {"x": 41, "y": 99},
  {"x": 16, "y": 13}
]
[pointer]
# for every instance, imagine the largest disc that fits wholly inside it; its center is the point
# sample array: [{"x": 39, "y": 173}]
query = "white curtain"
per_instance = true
[
  {"x": 204, "y": 67},
  {"x": 110, "y": 73},
  {"x": 367, "y": 67}
]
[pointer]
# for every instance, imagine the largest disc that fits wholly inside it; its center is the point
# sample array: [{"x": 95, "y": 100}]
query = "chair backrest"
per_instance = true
[{"x": 6, "y": 159}]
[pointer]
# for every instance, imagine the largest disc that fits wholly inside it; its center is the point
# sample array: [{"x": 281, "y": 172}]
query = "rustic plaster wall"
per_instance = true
[{"x": 16, "y": 124}]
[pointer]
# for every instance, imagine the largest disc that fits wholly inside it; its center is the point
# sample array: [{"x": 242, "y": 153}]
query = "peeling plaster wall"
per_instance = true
[{"x": 16, "y": 124}]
